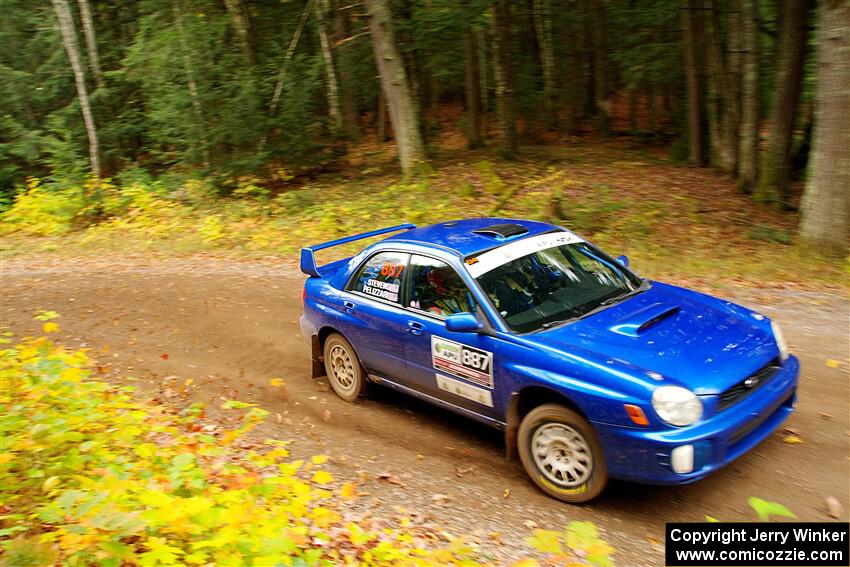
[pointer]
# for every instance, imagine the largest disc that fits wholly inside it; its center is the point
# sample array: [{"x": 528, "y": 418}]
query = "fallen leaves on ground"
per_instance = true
[
  {"x": 460, "y": 471},
  {"x": 391, "y": 478},
  {"x": 833, "y": 507}
]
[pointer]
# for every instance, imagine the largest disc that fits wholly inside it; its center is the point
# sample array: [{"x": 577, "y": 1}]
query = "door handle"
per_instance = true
[
  {"x": 348, "y": 306},
  {"x": 415, "y": 328}
]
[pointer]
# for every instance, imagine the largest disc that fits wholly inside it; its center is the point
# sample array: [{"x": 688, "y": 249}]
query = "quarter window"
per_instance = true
[
  {"x": 381, "y": 276},
  {"x": 437, "y": 289}
]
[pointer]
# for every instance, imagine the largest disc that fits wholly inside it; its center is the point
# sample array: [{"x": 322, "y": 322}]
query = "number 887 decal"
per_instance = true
[{"x": 463, "y": 361}]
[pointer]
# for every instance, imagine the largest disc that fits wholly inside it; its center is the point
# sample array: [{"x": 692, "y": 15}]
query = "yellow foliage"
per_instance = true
[{"x": 92, "y": 476}]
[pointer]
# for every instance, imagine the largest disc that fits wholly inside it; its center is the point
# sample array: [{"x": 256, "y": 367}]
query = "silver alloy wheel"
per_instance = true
[
  {"x": 562, "y": 455},
  {"x": 342, "y": 367}
]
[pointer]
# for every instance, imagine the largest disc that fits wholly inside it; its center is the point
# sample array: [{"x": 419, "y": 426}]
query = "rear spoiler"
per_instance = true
[{"x": 308, "y": 259}]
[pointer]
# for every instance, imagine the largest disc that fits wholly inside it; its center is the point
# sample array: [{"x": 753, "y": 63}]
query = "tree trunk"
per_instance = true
[
  {"x": 589, "y": 102},
  {"x": 734, "y": 77},
  {"x": 348, "y": 90},
  {"x": 749, "y": 130},
  {"x": 633, "y": 111},
  {"x": 290, "y": 51},
  {"x": 91, "y": 41},
  {"x": 394, "y": 84},
  {"x": 543, "y": 27},
  {"x": 481, "y": 48},
  {"x": 472, "y": 88},
  {"x": 692, "y": 26},
  {"x": 240, "y": 24},
  {"x": 69, "y": 39},
  {"x": 189, "y": 68},
  {"x": 772, "y": 186},
  {"x": 826, "y": 202},
  {"x": 381, "y": 114},
  {"x": 330, "y": 71},
  {"x": 503, "y": 71},
  {"x": 601, "y": 88},
  {"x": 719, "y": 97}
]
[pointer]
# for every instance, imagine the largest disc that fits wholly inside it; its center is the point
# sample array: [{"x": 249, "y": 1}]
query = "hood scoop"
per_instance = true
[{"x": 638, "y": 322}]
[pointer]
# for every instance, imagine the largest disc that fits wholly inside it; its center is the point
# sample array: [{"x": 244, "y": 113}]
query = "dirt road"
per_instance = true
[{"x": 232, "y": 326}]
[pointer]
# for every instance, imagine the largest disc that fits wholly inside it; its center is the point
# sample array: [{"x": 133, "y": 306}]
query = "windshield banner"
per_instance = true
[{"x": 480, "y": 265}]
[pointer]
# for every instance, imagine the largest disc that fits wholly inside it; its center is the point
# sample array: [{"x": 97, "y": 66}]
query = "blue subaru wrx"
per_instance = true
[{"x": 590, "y": 370}]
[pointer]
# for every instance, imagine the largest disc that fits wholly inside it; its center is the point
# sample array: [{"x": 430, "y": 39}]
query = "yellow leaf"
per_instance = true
[
  {"x": 50, "y": 483},
  {"x": 526, "y": 563},
  {"x": 832, "y": 363},
  {"x": 506, "y": 493},
  {"x": 792, "y": 439},
  {"x": 319, "y": 459},
  {"x": 71, "y": 374},
  {"x": 276, "y": 382},
  {"x": 50, "y": 327},
  {"x": 322, "y": 477},
  {"x": 348, "y": 490}
]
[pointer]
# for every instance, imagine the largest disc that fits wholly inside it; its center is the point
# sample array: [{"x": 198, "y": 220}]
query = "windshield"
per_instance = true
[{"x": 554, "y": 285}]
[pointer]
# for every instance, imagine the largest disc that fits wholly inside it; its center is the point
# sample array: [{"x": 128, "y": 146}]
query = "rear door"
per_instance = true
[
  {"x": 454, "y": 367},
  {"x": 372, "y": 317}
]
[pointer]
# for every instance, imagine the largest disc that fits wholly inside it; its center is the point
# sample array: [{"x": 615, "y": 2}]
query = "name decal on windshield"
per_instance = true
[{"x": 509, "y": 252}]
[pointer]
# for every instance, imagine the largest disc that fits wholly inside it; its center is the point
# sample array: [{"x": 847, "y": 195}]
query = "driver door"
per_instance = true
[{"x": 454, "y": 367}]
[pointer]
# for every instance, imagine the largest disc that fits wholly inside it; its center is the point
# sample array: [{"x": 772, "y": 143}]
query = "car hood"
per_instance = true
[{"x": 672, "y": 335}]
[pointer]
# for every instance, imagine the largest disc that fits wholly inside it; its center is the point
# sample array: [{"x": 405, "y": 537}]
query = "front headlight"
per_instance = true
[
  {"x": 780, "y": 341},
  {"x": 676, "y": 405}
]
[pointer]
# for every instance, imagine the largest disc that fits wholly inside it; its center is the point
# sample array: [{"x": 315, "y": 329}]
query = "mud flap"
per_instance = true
[{"x": 317, "y": 357}]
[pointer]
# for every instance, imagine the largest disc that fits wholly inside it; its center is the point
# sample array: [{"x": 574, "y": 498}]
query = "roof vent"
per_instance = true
[{"x": 502, "y": 231}]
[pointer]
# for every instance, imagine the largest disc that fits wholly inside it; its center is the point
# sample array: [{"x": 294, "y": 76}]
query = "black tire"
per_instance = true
[
  {"x": 561, "y": 453},
  {"x": 345, "y": 373}
]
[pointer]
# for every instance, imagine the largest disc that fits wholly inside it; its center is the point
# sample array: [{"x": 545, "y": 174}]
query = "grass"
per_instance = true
[{"x": 675, "y": 222}]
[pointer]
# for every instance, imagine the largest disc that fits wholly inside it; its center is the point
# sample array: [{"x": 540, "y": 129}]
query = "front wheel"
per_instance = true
[
  {"x": 343, "y": 368},
  {"x": 561, "y": 453}
]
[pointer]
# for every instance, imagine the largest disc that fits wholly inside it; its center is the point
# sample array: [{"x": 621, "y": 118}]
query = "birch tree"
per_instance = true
[
  {"x": 241, "y": 26},
  {"x": 189, "y": 68},
  {"x": 69, "y": 40},
  {"x": 331, "y": 84},
  {"x": 91, "y": 41}
]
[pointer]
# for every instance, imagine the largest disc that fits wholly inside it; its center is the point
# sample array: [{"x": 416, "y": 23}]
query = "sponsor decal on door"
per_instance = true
[
  {"x": 464, "y": 390},
  {"x": 462, "y": 361}
]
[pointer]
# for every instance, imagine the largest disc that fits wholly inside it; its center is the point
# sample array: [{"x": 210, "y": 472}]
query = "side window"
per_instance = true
[
  {"x": 437, "y": 289},
  {"x": 381, "y": 276}
]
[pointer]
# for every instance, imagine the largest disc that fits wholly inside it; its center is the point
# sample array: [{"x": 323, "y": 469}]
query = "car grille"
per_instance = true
[{"x": 748, "y": 385}]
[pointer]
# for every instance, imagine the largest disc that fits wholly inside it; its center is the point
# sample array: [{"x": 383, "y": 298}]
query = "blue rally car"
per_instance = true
[{"x": 590, "y": 370}]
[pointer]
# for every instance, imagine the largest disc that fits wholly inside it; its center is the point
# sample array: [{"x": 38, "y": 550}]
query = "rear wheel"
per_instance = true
[
  {"x": 343, "y": 368},
  {"x": 561, "y": 453}
]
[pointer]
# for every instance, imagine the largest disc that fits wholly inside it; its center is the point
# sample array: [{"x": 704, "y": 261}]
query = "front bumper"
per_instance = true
[{"x": 643, "y": 456}]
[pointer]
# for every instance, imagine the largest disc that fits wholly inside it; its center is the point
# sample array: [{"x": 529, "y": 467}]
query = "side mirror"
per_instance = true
[
  {"x": 624, "y": 260},
  {"x": 462, "y": 323}
]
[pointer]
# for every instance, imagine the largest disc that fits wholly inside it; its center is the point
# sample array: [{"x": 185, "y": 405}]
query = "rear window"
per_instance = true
[{"x": 381, "y": 276}]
